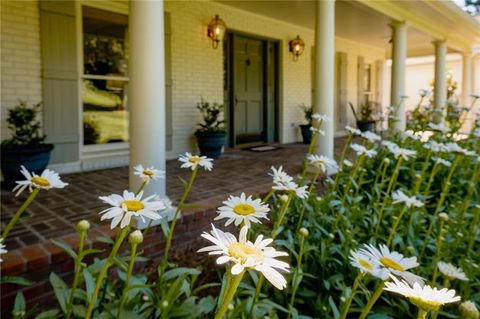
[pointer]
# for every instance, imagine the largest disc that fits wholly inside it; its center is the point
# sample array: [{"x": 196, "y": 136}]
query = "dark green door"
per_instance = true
[{"x": 248, "y": 90}]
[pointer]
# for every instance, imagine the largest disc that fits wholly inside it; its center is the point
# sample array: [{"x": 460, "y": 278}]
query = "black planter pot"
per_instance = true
[
  {"x": 306, "y": 133},
  {"x": 366, "y": 126},
  {"x": 34, "y": 158},
  {"x": 210, "y": 144}
]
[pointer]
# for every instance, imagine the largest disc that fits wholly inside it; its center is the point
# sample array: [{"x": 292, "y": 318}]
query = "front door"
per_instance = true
[{"x": 248, "y": 90}]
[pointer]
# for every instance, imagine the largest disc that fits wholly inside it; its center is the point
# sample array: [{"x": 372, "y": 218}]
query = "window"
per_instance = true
[{"x": 105, "y": 77}]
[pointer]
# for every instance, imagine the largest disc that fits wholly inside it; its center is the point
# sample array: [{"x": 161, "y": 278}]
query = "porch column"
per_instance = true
[
  {"x": 440, "y": 81},
  {"x": 324, "y": 72},
  {"x": 147, "y": 90},
  {"x": 399, "y": 59},
  {"x": 467, "y": 78}
]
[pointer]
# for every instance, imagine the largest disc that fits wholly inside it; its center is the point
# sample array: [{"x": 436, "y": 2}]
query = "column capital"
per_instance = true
[
  {"x": 439, "y": 42},
  {"x": 398, "y": 25}
]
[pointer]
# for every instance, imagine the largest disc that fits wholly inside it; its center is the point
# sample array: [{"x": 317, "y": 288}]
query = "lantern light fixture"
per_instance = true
[
  {"x": 216, "y": 30},
  {"x": 297, "y": 46}
]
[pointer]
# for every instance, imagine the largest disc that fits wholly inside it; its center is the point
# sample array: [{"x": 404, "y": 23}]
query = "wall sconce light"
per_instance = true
[
  {"x": 296, "y": 47},
  {"x": 216, "y": 30}
]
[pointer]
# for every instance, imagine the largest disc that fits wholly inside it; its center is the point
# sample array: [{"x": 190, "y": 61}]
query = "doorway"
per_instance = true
[{"x": 251, "y": 89}]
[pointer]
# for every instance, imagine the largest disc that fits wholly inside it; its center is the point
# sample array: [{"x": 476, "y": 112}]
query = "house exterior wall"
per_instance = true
[
  {"x": 197, "y": 68},
  {"x": 20, "y": 56}
]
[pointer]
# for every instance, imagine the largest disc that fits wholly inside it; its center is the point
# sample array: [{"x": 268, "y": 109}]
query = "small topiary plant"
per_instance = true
[
  {"x": 211, "y": 117},
  {"x": 307, "y": 113},
  {"x": 26, "y": 128}
]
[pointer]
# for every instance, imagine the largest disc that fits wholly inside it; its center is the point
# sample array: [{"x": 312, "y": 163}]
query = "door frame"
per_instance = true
[{"x": 269, "y": 80}]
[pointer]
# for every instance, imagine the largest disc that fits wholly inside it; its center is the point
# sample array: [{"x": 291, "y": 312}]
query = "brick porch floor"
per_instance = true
[{"x": 55, "y": 213}]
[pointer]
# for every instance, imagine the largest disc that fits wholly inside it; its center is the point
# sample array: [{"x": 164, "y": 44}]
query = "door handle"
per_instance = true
[{"x": 236, "y": 101}]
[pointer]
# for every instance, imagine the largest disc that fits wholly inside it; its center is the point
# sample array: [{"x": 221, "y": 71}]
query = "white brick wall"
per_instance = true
[{"x": 20, "y": 55}]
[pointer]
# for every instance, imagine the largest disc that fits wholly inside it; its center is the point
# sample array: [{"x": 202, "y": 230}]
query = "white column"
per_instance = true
[
  {"x": 440, "y": 80},
  {"x": 399, "y": 60},
  {"x": 467, "y": 78},
  {"x": 324, "y": 72},
  {"x": 147, "y": 90}
]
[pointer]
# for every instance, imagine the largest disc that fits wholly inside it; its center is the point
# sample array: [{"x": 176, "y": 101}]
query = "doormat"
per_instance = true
[{"x": 263, "y": 148}]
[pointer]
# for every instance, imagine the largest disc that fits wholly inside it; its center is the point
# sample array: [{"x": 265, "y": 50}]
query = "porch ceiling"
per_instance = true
[{"x": 354, "y": 21}]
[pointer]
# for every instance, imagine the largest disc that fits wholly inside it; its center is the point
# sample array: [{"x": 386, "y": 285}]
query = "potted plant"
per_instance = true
[
  {"x": 211, "y": 134},
  {"x": 26, "y": 146},
  {"x": 306, "y": 128},
  {"x": 366, "y": 122}
]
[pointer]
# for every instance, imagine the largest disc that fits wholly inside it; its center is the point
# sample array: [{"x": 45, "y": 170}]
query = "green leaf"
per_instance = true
[
  {"x": 15, "y": 280},
  {"x": 19, "y": 307},
  {"x": 50, "y": 314},
  {"x": 89, "y": 252},
  {"x": 180, "y": 271},
  {"x": 89, "y": 282},
  {"x": 105, "y": 240},
  {"x": 164, "y": 225},
  {"x": 65, "y": 247},
  {"x": 61, "y": 291}
]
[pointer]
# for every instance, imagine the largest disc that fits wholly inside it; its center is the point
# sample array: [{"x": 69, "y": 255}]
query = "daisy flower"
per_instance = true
[
  {"x": 280, "y": 176},
  {"x": 242, "y": 209},
  {"x": 392, "y": 263},
  {"x": 148, "y": 174},
  {"x": 425, "y": 298},
  {"x": 442, "y": 161},
  {"x": 2, "y": 248},
  {"x": 451, "y": 272},
  {"x": 455, "y": 148},
  {"x": 398, "y": 152},
  {"x": 323, "y": 162},
  {"x": 300, "y": 191},
  {"x": 320, "y": 117},
  {"x": 245, "y": 255},
  {"x": 49, "y": 179},
  {"x": 363, "y": 262},
  {"x": 317, "y": 130},
  {"x": 371, "y": 137},
  {"x": 390, "y": 145},
  {"x": 440, "y": 127},
  {"x": 400, "y": 197},
  {"x": 128, "y": 205},
  {"x": 192, "y": 161},
  {"x": 353, "y": 130},
  {"x": 412, "y": 135},
  {"x": 347, "y": 163},
  {"x": 434, "y": 146},
  {"x": 362, "y": 150}
]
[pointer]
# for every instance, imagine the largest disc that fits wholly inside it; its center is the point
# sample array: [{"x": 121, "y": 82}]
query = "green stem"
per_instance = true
[
  {"x": 295, "y": 276},
  {"x": 118, "y": 242},
  {"x": 471, "y": 188},
  {"x": 444, "y": 194},
  {"x": 346, "y": 307},
  {"x": 422, "y": 314},
  {"x": 473, "y": 225},
  {"x": 281, "y": 216},
  {"x": 395, "y": 225},
  {"x": 437, "y": 253},
  {"x": 342, "y": 157},
  {"x": 372, "y": 301},
  {"x": 76, "y": 276},
  {"x": 358, "y": 164},
  {"x": 309, "y": 151},
  {"x": 127, "y": 280},
  {"x": 164, "y": 262},
  {"x": 19, "y": 212},
  {"x": 419, "y": 180},
  {"x": 258, "y": 288},
  {"x": 392, "y": 182},
  {"x": 235, "y": 282},
  {"x": 269, "y": 195},
  {"x": 310, "y": 191}
]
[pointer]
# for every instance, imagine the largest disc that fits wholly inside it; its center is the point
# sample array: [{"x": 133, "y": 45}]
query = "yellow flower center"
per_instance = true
[
  {"x": 40, "y": 181},
  {"x": 426, "y": 305},
  {"x": 387, "y": 262},
  {"x": 365, "y": 264},
  {"x": 133, "y": 205},
  {"x": 148, "y": 172},
  {"x": 243, "y": 209},
  {"x": 243, "y": 251},
  {"x": 194, "y": 159}
]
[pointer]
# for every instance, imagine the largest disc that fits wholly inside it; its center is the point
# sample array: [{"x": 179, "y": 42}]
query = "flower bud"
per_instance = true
[
  {"x": 332, "y": 236},
  {"x": 443, "y": 216},
  {"x": 83, "y": 226},
  {"x": 469, "y": 310},
  {"x": 386, "y": 160},
  {"x": 164, "y": 304},
  {"x": 145, "y": 298},
  {"x": 343, "y": 299},
  {"x": 284, "y": 198},
  {"x": 230, "y": 306},
  {"x": 135, "y": 237},
  {"x": 304, "y": 232}
]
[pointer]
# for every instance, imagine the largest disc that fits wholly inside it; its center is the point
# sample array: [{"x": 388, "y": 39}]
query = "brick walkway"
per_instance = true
[{"x": 55, "y": 213}]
